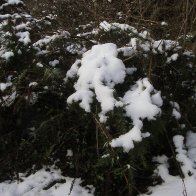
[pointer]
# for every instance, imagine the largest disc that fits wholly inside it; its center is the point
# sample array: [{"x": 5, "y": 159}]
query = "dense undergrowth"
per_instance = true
[{"x": 38, "y": 126}]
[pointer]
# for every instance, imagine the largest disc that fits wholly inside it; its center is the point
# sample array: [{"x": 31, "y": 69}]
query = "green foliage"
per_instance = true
[{"x": 37, "y": 127}]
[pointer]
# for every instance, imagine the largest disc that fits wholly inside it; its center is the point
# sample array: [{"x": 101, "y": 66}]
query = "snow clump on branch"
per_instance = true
[{"x": 99, "y": 73}]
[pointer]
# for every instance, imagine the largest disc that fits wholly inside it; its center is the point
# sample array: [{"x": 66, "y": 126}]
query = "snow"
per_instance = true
[
  {"x": 22, "y": 26},
  {"x": 33, "y": 84},
  {"x": 145, "y": 135},
  {"x": 105, "y": 26},
  {"x": 173, "y": 57},
  {"x": 100, "y": 71},
  {"x": 139, "y": 102},
  {"x": 163, "y": 23},
  {"x": 164, "y": 45},
  {"x": 39, "y": 65},
  {"x": 112, "y": 26},
  {"x": 189, "y": 54},
  {"x": 12, "y": 2},
  {"x": 19, "y": 52},
  {"x": 47, "y": 39},
  {"x": 191, "y": 146},
  {"x": 131, "y": 70},
  {"x": 174, "y": 185},
  {"x": 176, "y": 114},
  {"x": 105, "y": 156},
  {"x": 182, "y": 126},
  {"x": 158, "y": 45},
  {"x": 138, "y": 106},
  {"x": 4, "y": 16},
  {"x": 7, "y": 55},
  {"x": 73, "y": 70},
  {"x": 24, "y": 37},
  {"x": 142, "y": 42},
  {"x": 139, "y": 42},
  {"x": 54, "y": 63},
  {"x": 69, "y": 153},
  {"x": 186, "y": 163},
  {"x": 76, "y": 49},
  {"x": 127, "y": 51},
  {"x": 96, "y": 75},
  {"x": 176, "y": 110},
  {"x": 3, "y": 86},
  {"x": 127, "y": 140},
  {"x": 133, "y": 43},
  {"x": 37, "y": 183},
  {"x": 156, "y": 99},
  {"x": 175, "y": 105}
]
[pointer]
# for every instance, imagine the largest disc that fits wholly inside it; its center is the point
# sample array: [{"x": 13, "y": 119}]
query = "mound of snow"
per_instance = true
[
  {"x": 45, "y": 183},
  {"x": 100, "y": 71},
  {"x": 141, "y": 102}
]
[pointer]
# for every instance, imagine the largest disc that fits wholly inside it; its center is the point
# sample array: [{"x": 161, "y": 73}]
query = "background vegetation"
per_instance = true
[{"x": 38, "y": 128}]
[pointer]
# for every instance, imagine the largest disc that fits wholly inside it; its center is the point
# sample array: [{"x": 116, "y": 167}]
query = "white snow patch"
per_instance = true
[
  {"x": 69, "y": 153},
  {"x": 54, "y": 63},
  {"x": 176, "y": 114},
  {"x": 3, "y": 86},
  {"x": 73, "y": 70},
  {"x": 100, "y": 71},
  {"x": 138, "y": 101},
  {"x": 105, "y": 156},
  {"x": 12, "y": 2},
  {"x": 176, "y": 110},
  {"x": 24, "y": 37},
  {"x": 4, "y": 16},
  {"x": 22, "y": 26},
  {"x": 127, "y": 51},
  {"x": 156, "y": 99},
  {"x": 133, "y": 43},
  {"x": 33, "y": 84},
  {"x": 39, "y": 65},
  {"x": 47, "y": 39},
  {"x": 163, "y": 23},
  {"x": 173, "y": 185},
  {"x": 37, "y": 183},
  {"x": 173, "y": 57},
  {"x": 139, "y": 105},
  {"x": 76, "y": 49},
  {"x": 7, "y": 55},
  {"x": 131, "y": 70},
  {"x": 112, "y": 26},
  {"x": 191, "y": 145}
]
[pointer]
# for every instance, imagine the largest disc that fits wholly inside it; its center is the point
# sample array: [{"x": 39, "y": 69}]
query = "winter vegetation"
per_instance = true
[{"x": 97, "y": 98}]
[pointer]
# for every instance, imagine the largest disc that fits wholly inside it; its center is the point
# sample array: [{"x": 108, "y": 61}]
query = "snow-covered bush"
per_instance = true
[
  {"x": 32, "y": 66},
  {"x": 136, "y": 92},
  {"x": 100, "y": 103}
]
